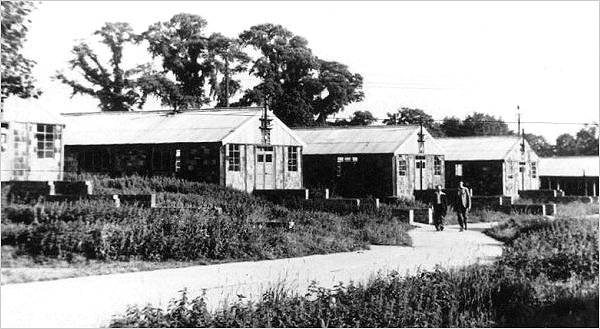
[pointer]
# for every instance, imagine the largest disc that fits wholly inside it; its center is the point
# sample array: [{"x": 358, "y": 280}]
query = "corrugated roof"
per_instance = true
[
  {"x": 573, "y": 166},
  {"x": 154, "y": 127},
  {"x": 16, "y": 109},
  {"x": 477, "y": 147},
  {"x": 354, "y": 140}
]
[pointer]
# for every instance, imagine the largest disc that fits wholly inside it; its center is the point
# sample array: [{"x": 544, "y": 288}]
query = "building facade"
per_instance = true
[
  {"x": 378, "y": 161},
  {"x": 575, "y": 175},
  {"x": 491, "y": 165},
  {"x": 221, "y": 146},
  {"x": 31, "y": 142}
]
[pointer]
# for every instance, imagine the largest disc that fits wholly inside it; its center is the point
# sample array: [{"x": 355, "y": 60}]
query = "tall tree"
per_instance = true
[
  {"x": 362, "y": 118},
  {"x": 183, "y": 47},
  {"x": 406, "y": 115},
  {"x": 481, "y": 124},
  {"x": 335, "y": 88},
  {"x": 115, "y": 87},
  {"x": 586, "y": 140},
  {"x": 225, "y": 59},
  {"x": 452, "y": 127},
  {"x": 566, "y": 145},
  {"x": 539, "y": 145},
  {"x": 16, "y": 69},
  {"x": 297, "y": 85}
]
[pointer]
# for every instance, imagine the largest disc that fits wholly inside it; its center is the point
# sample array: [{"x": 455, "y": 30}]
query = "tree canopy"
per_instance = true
[
  {"x": 406, "y": 115},
  {"x": 359, "y": 118},
  {"x": 16, "y": 69},
  {"x": 183, "y": 47},
  {"x": 116, "y": 88},
  {"x": 296, "y": 84}
]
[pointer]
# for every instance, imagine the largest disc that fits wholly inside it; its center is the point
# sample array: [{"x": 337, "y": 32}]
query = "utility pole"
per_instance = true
[
  {"x": 265, "y": 124},
  {"x": 523, "y": 160},
  {"x": 518, "y": 120},
  {"x": 226, "y": 80},
  {"x": 421, "y": 142}
]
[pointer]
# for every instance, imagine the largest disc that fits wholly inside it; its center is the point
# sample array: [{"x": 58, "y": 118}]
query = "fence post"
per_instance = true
[
  {"x": 117, "y": 200},
  {"x": 430, "y": 216},
  {"x": 411, "y": 216},
  {"x": 51, "y": 188}
]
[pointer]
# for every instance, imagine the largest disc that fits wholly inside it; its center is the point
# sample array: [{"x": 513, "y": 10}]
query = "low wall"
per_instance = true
[
  {"x": 73, "y": 188},
  {"x": 354, "y": 203},
  {"x": 532, "y": 209},
  {"x": 274, "y": 195},
  {"x": 565, "y": 199},
  {"x": 319, "y": 193},
  {"x": 144, "y": 200},
  {"x": 26, "y": 191},
  {"x": 532, "y": 194},
  {"x": 373, "y": 203},
  {"x": 490, "y": 202}
]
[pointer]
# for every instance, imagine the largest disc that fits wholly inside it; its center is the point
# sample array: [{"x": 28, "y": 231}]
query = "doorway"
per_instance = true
[{"x": 264, "y": 168}]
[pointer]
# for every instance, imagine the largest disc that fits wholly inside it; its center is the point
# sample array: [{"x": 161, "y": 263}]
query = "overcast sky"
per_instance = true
[{"x": 447, "y": 58}]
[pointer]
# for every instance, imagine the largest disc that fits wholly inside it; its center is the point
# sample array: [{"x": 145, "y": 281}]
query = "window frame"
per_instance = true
[
  {"x": 344, "y": 159},
  {"x": 292, "y": 158},
  {"x": 458, "y": 170},
  {"x": 402, "y": 167},
  {"x": 437, "y": 165},
  {"x": 234, "y": 157},
  {"x": 45, "y": 140}
]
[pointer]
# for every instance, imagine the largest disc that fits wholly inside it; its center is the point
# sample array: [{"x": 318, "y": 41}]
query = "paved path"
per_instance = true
[{"x": 92, "y": 301}]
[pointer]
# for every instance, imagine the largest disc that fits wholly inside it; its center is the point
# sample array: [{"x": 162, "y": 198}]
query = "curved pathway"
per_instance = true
[{"x": 92, "y": 301}]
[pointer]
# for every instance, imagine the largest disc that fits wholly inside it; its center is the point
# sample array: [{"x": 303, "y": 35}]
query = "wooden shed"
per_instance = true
[
  {"x": 222, "y": 146},
  {"x": 32, "y": 145},
  {"x": 575, "y": 175},
  {"x": 491, "y": 165},
  {"x": 378, "y": 161}
]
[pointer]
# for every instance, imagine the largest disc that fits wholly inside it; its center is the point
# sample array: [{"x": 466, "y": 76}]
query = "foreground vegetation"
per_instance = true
[
  {"x": 547, "y": 276},
  {"x": 195, "y": 223}
]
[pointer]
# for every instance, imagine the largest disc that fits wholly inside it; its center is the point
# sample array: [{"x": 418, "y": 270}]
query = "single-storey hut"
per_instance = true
[
  {"x": 491, "y": 165},
  {"x": 31, "y": 141},
  {"x": 378, "y": 161},
  {"x": 575, "y": 175},
  {"x": 235, "y": 147}
]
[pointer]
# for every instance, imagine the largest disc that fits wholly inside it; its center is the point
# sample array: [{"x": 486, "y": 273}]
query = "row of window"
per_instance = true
[
  {"x": 420, "y": 163},
  {"x": 458, "y": 169},
  {"x": 264, "y": 154}
]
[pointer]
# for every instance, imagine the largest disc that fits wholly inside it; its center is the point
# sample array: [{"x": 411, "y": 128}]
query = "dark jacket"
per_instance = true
[
  {"x": 463, "y": 198},
  {"x": 441, "y": 207}
]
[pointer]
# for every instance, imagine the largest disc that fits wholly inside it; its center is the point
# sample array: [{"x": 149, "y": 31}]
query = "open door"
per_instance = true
[{"x": 420, "y": 172}]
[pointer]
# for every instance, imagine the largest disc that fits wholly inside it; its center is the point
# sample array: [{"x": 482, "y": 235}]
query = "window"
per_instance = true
[
  {"x": 511, "y": 170},
  {"x": 344, "y": 161},
  {"x": 292, "y": 158},
  {"x": 233, "y": 157},
  {"x": 437, "y": 166},
  {"x": 458, "y": 170},
  {"x": 177, "y": 160},
  {"x": 4, "y": 135},
  {"x": 533, "y": 170},
  {"x": 521, "y": 166},
  {"x": 401, "y": 167},
  {"x": 420, "y": 162},
  {"x": 45, "y": 141}
]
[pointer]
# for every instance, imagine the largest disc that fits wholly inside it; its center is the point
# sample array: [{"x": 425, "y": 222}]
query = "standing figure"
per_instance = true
[
  {"x": 440, "y": 206},
  {"x": 463, "y": 205}
]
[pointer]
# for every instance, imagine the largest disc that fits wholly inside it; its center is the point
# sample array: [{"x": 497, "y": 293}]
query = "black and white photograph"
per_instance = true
[{"x": 294, "y": 164}]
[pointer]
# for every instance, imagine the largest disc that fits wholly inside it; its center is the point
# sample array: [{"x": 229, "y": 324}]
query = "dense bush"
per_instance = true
[
  {"x": 505, "y": 294},
  {"x": 193, "y": 221}
]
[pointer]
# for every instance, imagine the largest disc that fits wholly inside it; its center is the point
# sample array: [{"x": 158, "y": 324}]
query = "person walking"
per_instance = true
[
  {"x": 463, "y": 205},
  {"x": 440, "y": 207}
]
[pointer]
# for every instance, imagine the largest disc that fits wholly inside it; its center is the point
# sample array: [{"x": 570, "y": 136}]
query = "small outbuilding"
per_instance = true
[
  {"x": 32, "y": 144},
  {"x": 575, "y": 175},
  {"x": 491, "y": 165},
  {"x": 378, "y": 161},
  {"x": 244, "y": 148}
]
